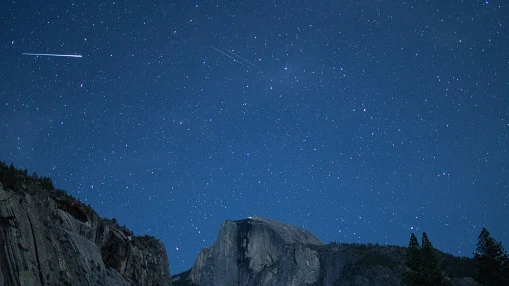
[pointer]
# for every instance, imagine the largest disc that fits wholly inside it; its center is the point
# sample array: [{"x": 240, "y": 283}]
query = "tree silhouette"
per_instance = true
[
  {"x": 413, "y": 261},
  {"x": 492, "y": 261},
  {"x": 9, "y": 180},
  {"x": 423, "y": 264},
  {"x": 431, "y": 272},
  {"x": 46, "y": 183}
]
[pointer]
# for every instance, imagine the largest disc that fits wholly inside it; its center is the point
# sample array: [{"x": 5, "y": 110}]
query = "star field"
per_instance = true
[{"x": 358, "y": 121}]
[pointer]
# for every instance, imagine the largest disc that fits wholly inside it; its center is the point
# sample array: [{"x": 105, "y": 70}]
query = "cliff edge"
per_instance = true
[{"x": 49, "y": 238}]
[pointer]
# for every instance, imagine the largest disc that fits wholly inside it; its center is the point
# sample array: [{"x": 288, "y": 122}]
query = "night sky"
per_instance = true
[{"x": 360, "y": 121}]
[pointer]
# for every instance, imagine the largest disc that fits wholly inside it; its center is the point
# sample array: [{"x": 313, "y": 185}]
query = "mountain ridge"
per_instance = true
[
  {"x": 49, "y": 237},
  {"x": 303, "y": 262}
]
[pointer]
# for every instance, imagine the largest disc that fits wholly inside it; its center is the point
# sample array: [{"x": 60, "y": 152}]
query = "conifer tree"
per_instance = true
[
  {"x": 10, "y": 177},
  {"x": 492, "y": 261},
  {"x": 430, "y": 270},
  {"x": 413, "y": 261},
  {"x": 423, "y": 264}
]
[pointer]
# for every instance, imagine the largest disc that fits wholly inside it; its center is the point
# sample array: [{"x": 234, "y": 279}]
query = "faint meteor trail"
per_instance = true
[
  {"x": 52, "y": 55},
  {"x": 240, "y": 57},
  {"x": 234, "y": 59}
]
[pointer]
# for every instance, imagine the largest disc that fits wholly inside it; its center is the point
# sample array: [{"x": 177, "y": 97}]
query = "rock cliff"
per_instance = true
[
  {"x": 48, "y": 238},
  {"x": 258, "y": 251},
  {"x": 261, "y": 251}
]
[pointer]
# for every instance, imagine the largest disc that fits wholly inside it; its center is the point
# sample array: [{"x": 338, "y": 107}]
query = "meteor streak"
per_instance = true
[
  {"x": 234, "y": 56},
  {"x": 52, "y": 55},
  {"x": 235, "y": 60},
  {"x": 240, "y": 57}
]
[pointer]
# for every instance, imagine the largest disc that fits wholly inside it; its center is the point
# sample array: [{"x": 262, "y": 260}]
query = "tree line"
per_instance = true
[
  {"x": 11, "y": 178},
  {"x": 491, "y": 260}
]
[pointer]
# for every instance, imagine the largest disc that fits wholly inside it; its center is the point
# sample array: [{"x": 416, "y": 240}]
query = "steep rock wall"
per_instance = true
[
  {"x": 47, "y": 239},
  {"x": 261, "y": 251},
  {"x": 258, "y": 251}
]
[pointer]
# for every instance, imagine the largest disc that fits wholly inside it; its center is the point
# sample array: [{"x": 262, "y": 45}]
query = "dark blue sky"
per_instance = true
[{"x": 359, "y": 121}]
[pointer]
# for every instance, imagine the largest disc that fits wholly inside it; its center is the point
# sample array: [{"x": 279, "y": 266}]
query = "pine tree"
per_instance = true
[
  {"x": 413, "y": 261},
  {"x": 492, "y": 261},
  {"x": 430, "y": 270},
  {"x": 46, "y": 183},
  {"x": 9, "y": 180},
  {"x": 423, "y": 264}
]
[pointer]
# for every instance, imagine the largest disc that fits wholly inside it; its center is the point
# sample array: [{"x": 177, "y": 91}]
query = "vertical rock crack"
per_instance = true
[{"x": 41, "y": 276}]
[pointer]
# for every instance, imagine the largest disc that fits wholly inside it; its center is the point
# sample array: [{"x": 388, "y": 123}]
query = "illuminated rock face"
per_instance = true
[
  {"x": 259, "y": 251},
  {"x": 262, "y": 251},
  {"x": 50, "y": 239}
]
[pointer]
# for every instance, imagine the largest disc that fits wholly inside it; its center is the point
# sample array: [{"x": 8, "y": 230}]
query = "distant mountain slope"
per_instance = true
[{"x": 261, "y": 251}]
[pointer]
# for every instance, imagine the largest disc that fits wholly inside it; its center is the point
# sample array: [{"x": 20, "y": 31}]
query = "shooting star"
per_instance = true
[
  {"x": 52, "y": 55},
  {"x": 240, "y": 57},
  {"x": 234, "y": 59}
]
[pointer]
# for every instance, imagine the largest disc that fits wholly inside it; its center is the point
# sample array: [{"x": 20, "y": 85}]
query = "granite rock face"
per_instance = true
[
  {"x": 259, "y": 251},
  {"x": 51, "y": 239}
]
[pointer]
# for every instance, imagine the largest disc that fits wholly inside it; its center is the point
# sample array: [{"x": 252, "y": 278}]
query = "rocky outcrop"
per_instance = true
[
  {"x": 345, "y": 264},
  {"x": 259, "y": 251},
  {"x": 47, "y": 238}
]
